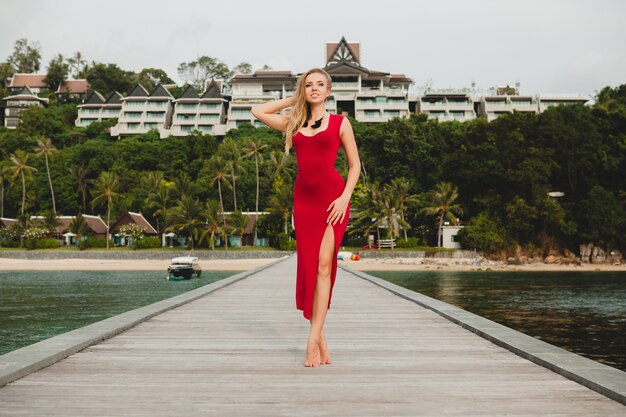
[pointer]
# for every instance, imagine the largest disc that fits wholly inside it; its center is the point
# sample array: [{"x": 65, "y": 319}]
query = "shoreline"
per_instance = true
[
  {"x": 78, "y": 264},
  {"x": 470, "y": 265},
  {"x": 365, "y": 264}
]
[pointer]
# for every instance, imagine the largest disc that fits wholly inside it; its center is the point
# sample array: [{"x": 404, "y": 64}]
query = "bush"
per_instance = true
[
  {"x": 411, "y": 242},
  {"x": 95, "y": 242},
  {"x": 284, "y": 243},
  {"x": 47, "y": 243},
  {"x": 149, "y": 243},
  {"x": 358, "y": 242},
  {"x": 483, "y": 234}
]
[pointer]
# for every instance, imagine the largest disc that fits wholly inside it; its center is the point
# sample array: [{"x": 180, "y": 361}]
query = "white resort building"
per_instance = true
[
  {"x": 206, "y": 113},
  {"x": 364, "y": 94},
  {"x": 96, "y": 108},
  {"x": 251, "y": 89}
]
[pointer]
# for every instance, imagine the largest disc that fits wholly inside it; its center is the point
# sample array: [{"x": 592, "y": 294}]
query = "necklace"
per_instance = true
[{"x": 317, "y": 123}]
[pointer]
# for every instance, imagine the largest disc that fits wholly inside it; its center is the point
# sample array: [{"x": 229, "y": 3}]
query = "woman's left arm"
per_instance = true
[{"x": 338, "y": 207}]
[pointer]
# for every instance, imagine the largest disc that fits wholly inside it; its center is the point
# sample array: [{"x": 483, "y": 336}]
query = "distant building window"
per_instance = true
[
  {"x": 392, "y": 113},
  {"x": 372, "y": 113},
  {"x": 133, "y": 125},
  {"x": 150, "y": 125},
  {"x": 206, "y": 128},
  {"x": 188, "y": 128}
]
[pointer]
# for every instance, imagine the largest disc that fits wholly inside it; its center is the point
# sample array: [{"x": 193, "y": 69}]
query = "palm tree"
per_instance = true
[
  {"x": 158, "y": 195},
  {"x": 230, "y": 152},
  {"x": 5, "y": 176},
  {"x": 21, "y": 168},
  {"x": 212, "y": 226},
  {"x": 47, "y": 149},
  {"x": 253, "y": 149},
  {"x": 218, "y": 173},
  {"x": 281, "y": 203},
  {"x": 182, "y": 185},
  {"x": 281, "y": 169},
  {"x": 238, "y": 223},
  {"x": 79, "y": 227},
  {"x": 186, "y": 218},
  {"x": 440, "y": 202},
  {"x": 105, "y": 191},
  {"x": 80, "y": 176},
  {"x": 399, "y": 189}
]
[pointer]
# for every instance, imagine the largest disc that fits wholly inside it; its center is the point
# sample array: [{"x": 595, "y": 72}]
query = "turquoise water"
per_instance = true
[
  {"x": 37, "y": 305},
  {"x": 583, "y": 312}
]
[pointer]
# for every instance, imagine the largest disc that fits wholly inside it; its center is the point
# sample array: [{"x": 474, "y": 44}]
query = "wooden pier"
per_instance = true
[{"x": 239, "y": 351}]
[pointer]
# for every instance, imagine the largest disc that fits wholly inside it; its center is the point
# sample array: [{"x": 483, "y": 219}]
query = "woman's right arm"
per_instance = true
[{"x": 266, "y": 113}]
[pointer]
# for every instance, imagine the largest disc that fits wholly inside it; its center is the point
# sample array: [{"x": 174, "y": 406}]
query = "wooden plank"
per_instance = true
[{"x": 239, "y": 351}]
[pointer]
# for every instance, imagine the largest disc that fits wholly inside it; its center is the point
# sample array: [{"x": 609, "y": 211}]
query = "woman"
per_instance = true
[{"x": 321, "y": 198}]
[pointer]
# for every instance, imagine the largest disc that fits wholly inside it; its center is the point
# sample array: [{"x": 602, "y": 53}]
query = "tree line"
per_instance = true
[{"x": 539, "y": 182}]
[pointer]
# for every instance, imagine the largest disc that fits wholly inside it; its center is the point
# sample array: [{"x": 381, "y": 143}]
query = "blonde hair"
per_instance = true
[{"x": 301, "y": 110}]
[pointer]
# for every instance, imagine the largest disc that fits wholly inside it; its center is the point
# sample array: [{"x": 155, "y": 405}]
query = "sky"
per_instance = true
[{"x": 548, "y": 46}]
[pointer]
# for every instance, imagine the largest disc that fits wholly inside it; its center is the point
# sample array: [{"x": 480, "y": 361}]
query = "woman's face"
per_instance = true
[{"x": 316, "y": 88}]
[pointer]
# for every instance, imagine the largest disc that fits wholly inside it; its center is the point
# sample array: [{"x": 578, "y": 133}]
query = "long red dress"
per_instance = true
[{"x": 316, "y": 186}]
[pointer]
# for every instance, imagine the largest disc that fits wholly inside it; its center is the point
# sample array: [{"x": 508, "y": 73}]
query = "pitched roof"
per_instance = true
[
  {"x": 137, "y": 218},
  {"x": 343, "y": 51},
  {"x": 31, "y": 80},
  {"x": 94, "y": 98},
  {"x": 114, "y": 98},
  {"x": 212, "y": 91},
  {"x": 73, "y": 86},
  {"x": 7, "y": 222},
  {"x": 189, "y": 92},
  {"x": 160, "y": 91},
  {"x": 96, "y": 224},
  {"x": 138, "y": 91},
  {"x": 25, "y": 94}
]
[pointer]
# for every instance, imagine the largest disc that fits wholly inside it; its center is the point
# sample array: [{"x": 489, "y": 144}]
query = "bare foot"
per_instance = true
[
  {"x": 324, "y": 355},
  {"x": 312, "y": 355}
]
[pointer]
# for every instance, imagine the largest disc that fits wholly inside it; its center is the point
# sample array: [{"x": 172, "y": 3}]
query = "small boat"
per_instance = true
[{"x": 183, "y": 267}]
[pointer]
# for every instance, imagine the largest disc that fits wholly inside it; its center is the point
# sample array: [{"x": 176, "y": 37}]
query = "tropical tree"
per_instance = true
[
  {"x": 5, "y": 176},
  {"x": 218, "y": 170},
  {"x": 281, "y": 203},
  {"x": 79, "y": 227},
  {"x": 158, "y": 196},
  {"x": 238, "y": 223},
  {"x": 47, "y": 149},
  {"x": 254, "y": 149},
  {"x": 185, "y": 218},
  {"x": 77, "y": 65},
  {"x": 213, "y": 225},
  {"x": 21, "y": 168},
  {"x": 399, "y": 190},
  {"x": 281, "y": 169},
  {"x": 205, "y": 67},
  {"x": 80, "y": 176},
  {"x": 440, "y": 202},
  {"x": 106, "y": 189},
  {"x": 57, "y": 72},
  {"x": 230, "y": 152},
  {"x": 26, "y": 58}
]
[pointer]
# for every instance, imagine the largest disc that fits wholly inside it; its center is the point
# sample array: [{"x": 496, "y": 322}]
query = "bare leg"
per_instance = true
[{"x": 316, "y": 351}]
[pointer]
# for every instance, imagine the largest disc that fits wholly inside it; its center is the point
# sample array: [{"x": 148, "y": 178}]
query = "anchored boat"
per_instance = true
[{"x": 183, "y": 267}]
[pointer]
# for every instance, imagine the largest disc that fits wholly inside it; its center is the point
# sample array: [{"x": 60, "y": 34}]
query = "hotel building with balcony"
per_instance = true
[
  {"x": 367, "y": 95},
  {"x": 206, "y": 112},
  {"x": 14, "y": 104},
  {"x": 259, "y": 87},
  {"x": 142, "y": 111},
  {"x": 96, "y": 108},
  {"x": 446, "y": 105}
]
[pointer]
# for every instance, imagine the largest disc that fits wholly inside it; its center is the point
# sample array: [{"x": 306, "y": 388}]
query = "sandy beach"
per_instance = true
[
  {"x": 462, "y": 264},
  {"x": 366, "y": 264}
]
